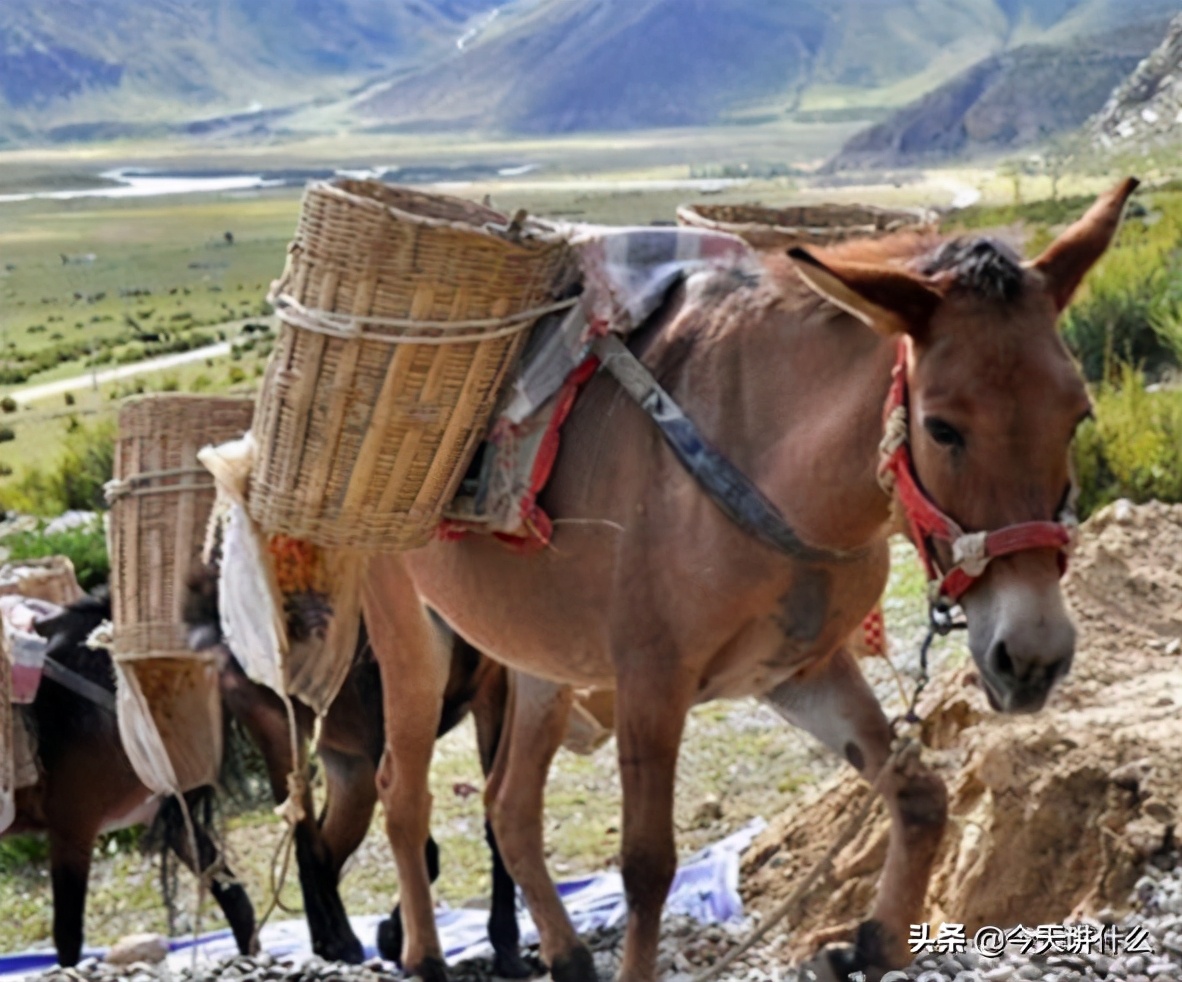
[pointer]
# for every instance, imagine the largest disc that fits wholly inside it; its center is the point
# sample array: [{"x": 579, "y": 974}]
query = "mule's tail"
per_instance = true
[{"x": 169, "y": 836}]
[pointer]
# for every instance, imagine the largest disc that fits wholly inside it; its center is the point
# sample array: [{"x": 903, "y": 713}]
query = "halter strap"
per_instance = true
[{"x": 926, "y": 521}]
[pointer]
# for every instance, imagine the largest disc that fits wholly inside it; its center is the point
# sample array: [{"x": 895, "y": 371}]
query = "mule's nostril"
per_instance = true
[{"x": 1003, "y": 664}]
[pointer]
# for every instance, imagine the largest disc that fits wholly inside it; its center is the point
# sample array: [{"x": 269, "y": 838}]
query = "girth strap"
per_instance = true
[
  {"x": 57, "y": 672},
  {"x": 728, "y": 487}
]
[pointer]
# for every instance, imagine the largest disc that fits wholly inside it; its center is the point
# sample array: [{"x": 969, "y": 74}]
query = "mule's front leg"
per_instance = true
[
  {"x": 650, "y": 718},
  {"x": 414, "y": 669},
  {"x": 835, "y": 704}
]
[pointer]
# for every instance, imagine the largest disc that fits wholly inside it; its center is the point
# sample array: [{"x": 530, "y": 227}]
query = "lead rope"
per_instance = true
[
  {"x": 940, "y": 623},
  {"x": 292, "y": 812}
]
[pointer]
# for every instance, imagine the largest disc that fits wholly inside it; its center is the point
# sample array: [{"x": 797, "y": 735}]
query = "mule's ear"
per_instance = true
[
  {"x": 892, "y": 301},
  {"x": 1067, "y": 260}
]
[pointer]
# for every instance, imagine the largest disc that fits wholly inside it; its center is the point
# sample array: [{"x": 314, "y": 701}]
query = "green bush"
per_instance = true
[
  {"x": 1133, "y": 448},
  {"x": 7, "y": 434},
  {"x": 8, "y": 404},
  {"x": 86, "y": 546},
  {"x": 74, "y": 481},
  {"x": 1130, "y": 311}
]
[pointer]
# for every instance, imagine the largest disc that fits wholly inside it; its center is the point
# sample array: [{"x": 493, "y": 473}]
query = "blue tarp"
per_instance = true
[{"x": 706, "y": 888}]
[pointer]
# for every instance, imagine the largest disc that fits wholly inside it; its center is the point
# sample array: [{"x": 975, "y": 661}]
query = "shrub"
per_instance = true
[
  {"x": 85, "y": 545},
  {"x": 74, "y": 481},
  {"x": 1133, "y": 449},
  {"x": 8, "y": 404},
  {"x": 70, "y": 400},
  {"x": 7, "y": 434},
  {"x": 236, "y": 375}
]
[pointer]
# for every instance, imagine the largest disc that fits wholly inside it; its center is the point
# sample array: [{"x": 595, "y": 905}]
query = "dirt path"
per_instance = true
[{"x": 49, "y": 389}]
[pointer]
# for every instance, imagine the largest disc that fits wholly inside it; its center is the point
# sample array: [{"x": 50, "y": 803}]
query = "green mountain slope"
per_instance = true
[
  {"x": 1005, "y": 101},
  {"x": 82, "y": 61},
  {"x": 553, "y": 66}
]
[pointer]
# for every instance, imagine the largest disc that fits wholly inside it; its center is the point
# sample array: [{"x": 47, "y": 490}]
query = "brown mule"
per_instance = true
[{"x": 656, "y": 594}]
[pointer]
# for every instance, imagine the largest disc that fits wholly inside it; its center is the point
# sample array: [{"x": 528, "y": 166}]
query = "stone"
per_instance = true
[{"x": 142, "y": 948}]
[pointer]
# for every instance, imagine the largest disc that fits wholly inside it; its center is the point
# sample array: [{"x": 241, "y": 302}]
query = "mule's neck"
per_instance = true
[{"x": 801, "y": 412}]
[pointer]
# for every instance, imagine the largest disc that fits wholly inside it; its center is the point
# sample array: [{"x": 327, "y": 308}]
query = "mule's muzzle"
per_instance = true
[{"x": 1015, "y": 683}]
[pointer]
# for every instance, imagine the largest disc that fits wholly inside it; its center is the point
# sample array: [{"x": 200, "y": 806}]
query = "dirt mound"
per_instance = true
[{"x": 1050, "y": 815}]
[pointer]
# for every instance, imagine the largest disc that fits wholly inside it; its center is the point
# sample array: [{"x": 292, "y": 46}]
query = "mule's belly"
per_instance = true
[{"x": 735, "y": 633}]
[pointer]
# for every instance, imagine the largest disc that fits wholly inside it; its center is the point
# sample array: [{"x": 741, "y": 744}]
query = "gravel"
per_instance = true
[{"x": 687, "y": 948}]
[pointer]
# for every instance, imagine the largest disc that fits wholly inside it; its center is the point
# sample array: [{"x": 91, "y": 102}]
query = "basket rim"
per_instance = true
[
  {"x": 534, "y": 238},
  {"x": 691, "y": 215}
]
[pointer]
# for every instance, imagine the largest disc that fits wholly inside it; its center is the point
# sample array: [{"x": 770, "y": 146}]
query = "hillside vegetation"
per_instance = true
[{"x": 255, "y": 69}]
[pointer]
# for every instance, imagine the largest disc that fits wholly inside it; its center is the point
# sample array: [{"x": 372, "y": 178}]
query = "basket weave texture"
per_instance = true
[
  {"x": 400, "y": 315},
  {"x": 161, "y": 498},
  {"x": 821, "y": 224}
]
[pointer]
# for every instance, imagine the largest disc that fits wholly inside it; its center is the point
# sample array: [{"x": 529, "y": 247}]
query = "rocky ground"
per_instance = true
[{"x": 1154, "y": 928}]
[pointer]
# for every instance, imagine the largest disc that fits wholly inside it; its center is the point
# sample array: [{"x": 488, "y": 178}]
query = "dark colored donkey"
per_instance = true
[
  {"x": 86, "y": 784},
  {"x": 350, "y": 745}
]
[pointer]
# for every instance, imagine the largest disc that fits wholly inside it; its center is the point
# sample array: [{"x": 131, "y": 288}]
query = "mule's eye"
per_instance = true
[{"x": 943, "y": 433}]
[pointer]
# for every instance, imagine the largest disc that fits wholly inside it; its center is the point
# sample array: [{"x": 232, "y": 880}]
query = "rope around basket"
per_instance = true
[
  {"x": 119, "y": 488},
  {"x": 352, "y": 327}
]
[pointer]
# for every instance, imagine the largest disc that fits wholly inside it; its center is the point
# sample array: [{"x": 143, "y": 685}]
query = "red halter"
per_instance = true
[{"x": 971, "y": 551}]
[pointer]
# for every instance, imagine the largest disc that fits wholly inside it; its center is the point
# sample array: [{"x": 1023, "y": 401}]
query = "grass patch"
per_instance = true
[
  {"x": 1133, "y": 448},
  {"x": 74, "y": 481}
]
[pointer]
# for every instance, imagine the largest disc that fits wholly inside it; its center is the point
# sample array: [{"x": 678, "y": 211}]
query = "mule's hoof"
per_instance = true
[
  {"x": 390, "y": 939},
  {"x": 347, "y": 949},
  {"x": 430, "y": 969},
  {"x": 838, "y": 963},
  {"x": 510, "y": 965},
  {"x": 575, "y": 966}
]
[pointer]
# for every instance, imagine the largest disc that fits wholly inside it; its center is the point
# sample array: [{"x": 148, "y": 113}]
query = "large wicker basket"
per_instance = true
[
  {"x": 161, "y": 498},
  {"x": 401, "y": 313},
  {"x": 767, "y": 228}
]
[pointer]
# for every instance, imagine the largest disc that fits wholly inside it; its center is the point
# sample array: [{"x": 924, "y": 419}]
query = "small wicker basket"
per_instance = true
[
  {"x": 401, "y": 313},
  {"x": 768, "y": 228},
  {"x": 161, "y": 498}
]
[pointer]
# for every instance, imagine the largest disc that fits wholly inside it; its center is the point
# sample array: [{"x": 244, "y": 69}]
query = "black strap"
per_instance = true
[
  {"x": 728, "y": 487},
  {"x": 57, "y": 672}
]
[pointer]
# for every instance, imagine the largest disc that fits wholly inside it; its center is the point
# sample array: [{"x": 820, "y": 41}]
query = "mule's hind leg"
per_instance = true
[
  {"x": 69, "y": 870},
  {"x": 414, "y": 668},
  {"x": 835, "y": 704},
  {"x": 390, "y": 932},
  {"x": 489, "y": 709},
  {"x": 229, "y": 894},
  {"x": 536, "y": 725},
  {"x": 264, "y": 717}
]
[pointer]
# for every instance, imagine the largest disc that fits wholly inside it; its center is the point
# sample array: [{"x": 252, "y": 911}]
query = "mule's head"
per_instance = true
[{"x": 994, "y": 400}]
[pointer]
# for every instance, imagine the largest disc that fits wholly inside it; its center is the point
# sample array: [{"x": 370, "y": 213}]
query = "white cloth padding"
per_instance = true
[
  {"x": 7, "y": 754},
  {"x": 251, "y": 619},
  {"x": 251, "y": 606}
]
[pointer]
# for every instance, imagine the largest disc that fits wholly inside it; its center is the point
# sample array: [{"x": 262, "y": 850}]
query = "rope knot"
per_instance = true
[
  {"x": 970, "y": 554},
  {"x": 292, "y": 810}
]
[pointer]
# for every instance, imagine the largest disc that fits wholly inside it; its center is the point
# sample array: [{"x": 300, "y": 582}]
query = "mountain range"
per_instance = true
[{"x": 78, "y": 69}]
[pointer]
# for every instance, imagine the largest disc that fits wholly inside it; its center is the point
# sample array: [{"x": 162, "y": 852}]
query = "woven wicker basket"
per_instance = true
[
  {"x": 161, "y": 498},
  {"x": 767, "y": 228},
  {"x": 401, "y": 313}
]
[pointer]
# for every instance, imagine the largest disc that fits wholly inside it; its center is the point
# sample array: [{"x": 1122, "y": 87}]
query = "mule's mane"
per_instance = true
[{"x": 978, "y": 264}]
